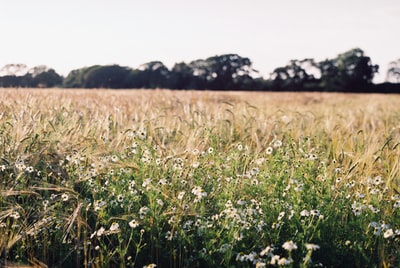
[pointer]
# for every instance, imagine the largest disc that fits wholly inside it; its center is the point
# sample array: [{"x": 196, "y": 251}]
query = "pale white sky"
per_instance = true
[{"x": 70, "y": 34}]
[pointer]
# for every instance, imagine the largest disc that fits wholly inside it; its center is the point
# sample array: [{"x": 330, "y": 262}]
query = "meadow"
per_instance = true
[{"x": 160, "y": 178}]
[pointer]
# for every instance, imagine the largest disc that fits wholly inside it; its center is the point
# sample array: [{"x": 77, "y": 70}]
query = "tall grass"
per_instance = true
[{"x": 198, "y": 179}]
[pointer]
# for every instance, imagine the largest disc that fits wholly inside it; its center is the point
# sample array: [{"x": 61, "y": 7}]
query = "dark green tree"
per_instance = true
[
  {"x": 298, "y": 75},
  {"x": 10, "y": 81},
  {"x": 97, "y": 76},
  {"x": 228, "y": 71},
  {"x": 153, "y": 74},
  {"x": 109, "y": 76},
  {"x": 351, "y": 71},
  {"x": 76, "y": 78},
  {"x": 181, "y": 77},
  {"x": 48, "y": 78}
]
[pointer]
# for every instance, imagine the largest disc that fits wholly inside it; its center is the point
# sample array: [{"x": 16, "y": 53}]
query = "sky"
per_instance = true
[{"x": 71, "y": 34}]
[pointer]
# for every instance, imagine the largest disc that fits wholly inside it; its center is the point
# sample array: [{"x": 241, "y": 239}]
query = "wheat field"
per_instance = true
[{"x": 160, "y": 178}]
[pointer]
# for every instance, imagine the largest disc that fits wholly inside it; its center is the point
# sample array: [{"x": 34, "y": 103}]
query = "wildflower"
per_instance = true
[
  {"x": 142, "y": 134},
  {"x": 374, "y": 191},
  {"x": 152, "y": 265},
  {"x": 143, "y": 211},
  {"x": 269, "y": 150},
  {"x": 169, "y": 235},
  {"x": 311, "y": 247},
  {"x": 45, "y": 203},
  {"x": 64, "y": 197},
  {"x": 163, "y": 181},
  {"x": 284, "y": 261},
  {"x": 254, "y": 171},
  {"x": 160, "y": 202},
  {"x": 357, "y": 208},
  {"x": 210, "y": 150},
  {"x": 98, "y": 204},
  {"x": 277, "y": 144},
  {"x": 133, "y": 224},
  {"x": 289, "y": 245},
  {"x": 389, "y": 233},
  {"x": 241, "y": 202},
  {"x": 238, "y": 236},
  {"x": 275, "y": 259},
  {"x": 114, "y": 227},
  {"x": 291, "y": 214},
  {"x": 120, "y": 198},
  {"x": 268, "y": 250},
  {"x": 196, "y": 164},
  {"x": 397, "y": 204},
  {"x": 350, "y": 184},
  {"x": 360, "y": 195},
  {"x": 312, "y": 157},
  {"x": 180, "y": 195},
  {"x": 100, "y": 232},
  {"x": 241, "y": 257},
  {"x": 395, "y": 197},
  {"x": 260, "y": 264},
  {"x": 260, "y": 161},
  {"x": 315, "y": 212},
  {"x": 374, "y": 209},
  {"x": 29, "y": 169},
  {"x": 378, "y": 180},
  {"x": 376, "y": 226},
  {"x": 240, "y": 147},
  {"x": 114, "y": 158},
  {"x": 146, "y": 182},
  {"x": 199, "y": 193},
  {"x": 281, "y": 215},
  {"x": 304, "y": 213},
  {"x": 145, "y": 159}
]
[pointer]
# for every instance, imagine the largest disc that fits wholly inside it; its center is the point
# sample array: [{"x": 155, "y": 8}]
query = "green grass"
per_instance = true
[{"x": 199, "y": 179}]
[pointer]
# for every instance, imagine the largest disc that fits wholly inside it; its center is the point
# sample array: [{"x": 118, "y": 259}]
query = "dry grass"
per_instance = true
[{"x": 77, "y": 140}]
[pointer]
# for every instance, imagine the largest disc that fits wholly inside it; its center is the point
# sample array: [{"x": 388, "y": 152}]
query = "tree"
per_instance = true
[
  {"x": 97, "y": 76},
  {"x": 229, "y": 71},
  {"x": 13, "y": 75},
  {"x": 351, "y": 70},
  {"x": 153, "y": 74},
  {"x": 110, "y": 76},
  {"x": 75, "y": 78},
  {"x": 297, "y": 75},
  {"x": 10, "y": 81},
  {"x": 393, "y": 73},
  {"x": 181, "y": 77},
  {"x": 47, "y": 78}
]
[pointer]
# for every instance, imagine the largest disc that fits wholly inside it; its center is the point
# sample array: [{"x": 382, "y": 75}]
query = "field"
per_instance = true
[{"x": 145, "y": 178}]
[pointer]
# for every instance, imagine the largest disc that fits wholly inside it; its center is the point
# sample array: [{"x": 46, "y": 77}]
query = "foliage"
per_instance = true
[
  {"x": 351, "y": 71},
  {"x": 18, "y": 75},
  {"x": 188, "y": 179}
]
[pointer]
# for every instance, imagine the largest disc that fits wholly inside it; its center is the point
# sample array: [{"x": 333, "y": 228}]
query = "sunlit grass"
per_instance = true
[{"x": 199, "y": 179}]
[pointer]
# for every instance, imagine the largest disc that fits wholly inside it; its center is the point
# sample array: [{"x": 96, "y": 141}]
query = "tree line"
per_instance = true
[{"x": 351, "y": 71}]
